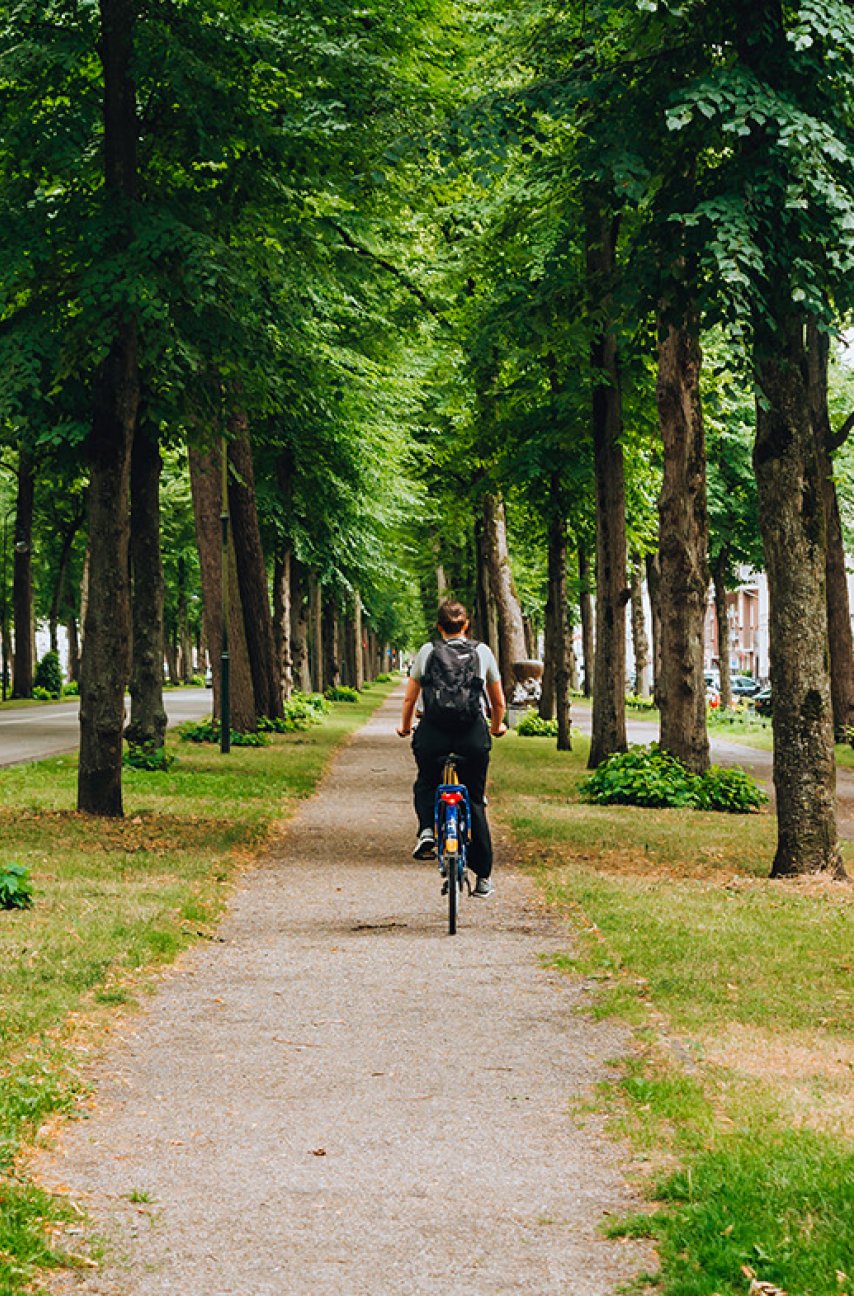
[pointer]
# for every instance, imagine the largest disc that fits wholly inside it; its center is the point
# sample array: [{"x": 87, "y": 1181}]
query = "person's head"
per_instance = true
[{"x": 452, "y": 618}]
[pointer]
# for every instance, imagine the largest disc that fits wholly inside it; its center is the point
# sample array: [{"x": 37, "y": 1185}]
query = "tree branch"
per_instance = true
[
  {"x": 403, "y": 279},
  {"x": 837, "y": 439}
]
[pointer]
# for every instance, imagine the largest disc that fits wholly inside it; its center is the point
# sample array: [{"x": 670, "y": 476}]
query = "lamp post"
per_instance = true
[{"x": 4, "y": 616}]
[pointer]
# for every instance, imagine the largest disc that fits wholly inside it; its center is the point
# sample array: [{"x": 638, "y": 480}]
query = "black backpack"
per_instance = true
[{"x": 452, "y": 685}]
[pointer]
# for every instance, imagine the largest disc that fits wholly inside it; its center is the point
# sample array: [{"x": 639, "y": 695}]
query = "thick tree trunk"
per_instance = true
[
  {"x": 653, "y": 585},
  {"x": 147, "y": 726},
  {"x": 318, "y": 654},
  {"x": 252, "y": 574},
  {"x": 585, "y": 608},
  {"x": 206, "y": 482},
  {"x": 561, "y": 639},
  {"x": 299, "y": 628},
  {"x": 546, "y": 707},
  {"x": 683, "y": 543},
  {"x": 719, "y": 571},
  {"x": 838, "y": 606},
  {"x": 331, "y": 647},
  {"x": 640, "y": 643},
  {"x": 358, "y": 647},
  {"x": 282, "y": 618},
  {"x": 484, "y": 623},
  {"x": 22, "y": 580},
  {"x": 609, "y": 678},
  {"x": 106, "y": 640},
  {"x": 185, "y": 638},
  {"x": 791, "y": 511},
  {"x": 73, "y": 650},
  {"x": 511, "y": 631}
]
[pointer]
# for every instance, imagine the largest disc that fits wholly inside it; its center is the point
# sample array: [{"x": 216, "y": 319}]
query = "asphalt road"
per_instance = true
[{"x": 31, "y": 733}]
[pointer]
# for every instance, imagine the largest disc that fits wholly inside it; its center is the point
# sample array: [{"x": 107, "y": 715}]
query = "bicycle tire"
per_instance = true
[{"x": 453, "y": 894}]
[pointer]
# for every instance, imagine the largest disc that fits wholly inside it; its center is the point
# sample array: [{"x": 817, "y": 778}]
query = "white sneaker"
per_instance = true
[
  {"x": 425, "y": 847},
  {"x": 485, "y": 887}
]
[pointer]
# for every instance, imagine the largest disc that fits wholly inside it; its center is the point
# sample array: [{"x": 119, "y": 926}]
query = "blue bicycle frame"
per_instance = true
[{"x": 453, "y": 816}]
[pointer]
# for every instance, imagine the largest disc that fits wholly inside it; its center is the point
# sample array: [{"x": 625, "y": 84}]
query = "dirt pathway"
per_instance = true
[{"x": 342, "y": 1099}]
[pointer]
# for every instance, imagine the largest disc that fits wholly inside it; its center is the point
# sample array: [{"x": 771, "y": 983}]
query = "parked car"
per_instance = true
[
  {"x": 744, "y": 686},
  {"x": 762, "y": 701}
]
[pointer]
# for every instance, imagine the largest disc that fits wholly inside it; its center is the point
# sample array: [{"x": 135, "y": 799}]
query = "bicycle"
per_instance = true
[{"x": 453, "y": 817}]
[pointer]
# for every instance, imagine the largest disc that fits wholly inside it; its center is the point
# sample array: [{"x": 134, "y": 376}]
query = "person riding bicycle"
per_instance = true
[{"x": 457, "y": 677}]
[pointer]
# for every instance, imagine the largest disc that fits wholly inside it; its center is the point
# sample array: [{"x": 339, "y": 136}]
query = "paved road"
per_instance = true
[{"x": 31, "y": 733}]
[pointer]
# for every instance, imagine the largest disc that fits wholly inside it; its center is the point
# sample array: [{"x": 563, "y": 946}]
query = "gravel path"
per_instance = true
[{"x": 340, "y": 1098}]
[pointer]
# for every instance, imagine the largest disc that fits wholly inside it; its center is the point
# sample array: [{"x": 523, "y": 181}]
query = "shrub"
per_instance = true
[
  {"x": 642, "y": 776},
  {"x": 730, "y": 790},
  {"x": 341, "y": 693},
  {"x": 197, "y": 681},
  {"x": 637, "y": 703},
  {"x": 208, "y": 731},
  {"x": 383, "y": 678},
  {"x": 16, "y": 889},
  {"x": 71, "y": 689},
  {"x": 533, "y": 726},
  {"x": 142, "y": 756},
  {"x": 42, "y": 694},
  {"x": 651, "y": 777},
  {"x": 48, "y": 675}
]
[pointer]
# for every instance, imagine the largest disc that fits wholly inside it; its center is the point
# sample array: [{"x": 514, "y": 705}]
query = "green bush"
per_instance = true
[
  {"x": 342, "y": 693},
  {"x": 637, "y": 703},
  {"x": 730, "y": 790},
  {"x": 16, "y": 889},
  {"x": 651, "y": 777},
  {"x": 533, "y": 726},
  {"x": 198, "y": 681},
  {"x": 208, "y": 731},
  {"x": 42, "y": 694},
  {"x": 48, "y": 676},
  {"x": 142, "y": 756},
  {"x": 383, "y": 678},
  {"x": 71, "y": 689}
]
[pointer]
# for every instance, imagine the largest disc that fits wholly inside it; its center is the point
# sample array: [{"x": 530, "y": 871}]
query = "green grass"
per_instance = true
[
  {"x": 740, "y": 992},
  {"x": 113, "y": 901}
]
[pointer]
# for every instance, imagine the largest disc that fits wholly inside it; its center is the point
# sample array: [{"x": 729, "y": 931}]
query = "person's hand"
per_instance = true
[
  {"x": 500, "y": 731},
  {"x": 403, "y": 733}
]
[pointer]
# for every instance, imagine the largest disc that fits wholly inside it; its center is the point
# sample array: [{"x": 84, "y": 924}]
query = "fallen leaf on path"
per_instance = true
[{"x": 318, "y": 1151}]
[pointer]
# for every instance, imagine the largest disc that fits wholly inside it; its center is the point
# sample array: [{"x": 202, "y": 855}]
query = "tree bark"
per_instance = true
[
  {"x": 147, "y": 726},
  {"x": 653, "y": 585},
  {"x": 315, "y": 602},
  {"x": 609, "y": 678},
  {"x": 640, "y": 643},
  {"x": 585, "y": 608},
  {"x": 206, "y": 483},
  {"x": 22, "y": 580},
  {"x": 838, "y": 605},
  {"x": 791, "y": 513},
  {"x": 719, "y": 572},
  {"x": 68, "y": 538},
  {"x": 683, "y": 544},
  {"x": 282, "y": 618},
  {"x": 358, "y": 648},
  {"x": 252, "y": 574},
  {"x": 561, "y": 638},
  {"x": 73, "y": 650},
  {"x": 299, "y": 628},
  {"x": 511, "y": 631},
  {"x": 331, "y": 649},
  {"x": 106, "y": 640}
]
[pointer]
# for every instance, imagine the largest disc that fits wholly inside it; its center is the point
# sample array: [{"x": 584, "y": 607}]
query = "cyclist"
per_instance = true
[{"x": 457, "y": 677}]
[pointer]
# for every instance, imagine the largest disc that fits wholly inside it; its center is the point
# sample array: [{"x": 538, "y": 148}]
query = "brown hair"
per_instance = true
[{"x": 452, "y": 616}]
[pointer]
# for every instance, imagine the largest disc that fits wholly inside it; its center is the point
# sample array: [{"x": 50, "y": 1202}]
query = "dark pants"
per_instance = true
[{"x": 432, "y": 746}]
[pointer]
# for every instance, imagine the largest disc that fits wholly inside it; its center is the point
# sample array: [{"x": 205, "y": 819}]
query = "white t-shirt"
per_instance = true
[{"x": 488, "y": 665}]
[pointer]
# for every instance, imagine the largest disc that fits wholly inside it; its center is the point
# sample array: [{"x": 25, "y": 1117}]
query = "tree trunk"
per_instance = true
[
  {"x": 719, "y": 571},
  {"x": 653, "y": 585},
  {"x": 331, "y": 650},
  {"x": 640, "y": 643},
  {"x": 683, "y": 543},
  {"x": 585, "y": 608},
  {"x": 184, "y": 636},
  {"x": 315, "y": 602},
  {"x": 252, "y": 574},
  {"x": 838, "y": 606},
  {"x": 609, "y": 678},
  {"x": 22, "y": 580},
  {"x": 561, "y": 637},
  {"x": 73, "y": 650},
  {"x": 147, "y": 726},
  {"x": 546, "y": 707},
  {"x": 106, "y": 639},
  {"x": 206, "y": 483},
  {"x": 511, "y": 632},
  {"x": 299, "y": 628},
  {"x": 484, "y": 625},
  {"x": 68, "y": 538},
  {"x": 791, "y": 513},
  {"x": 282, "y": 618},
  {"x": 358, "y": 647}
]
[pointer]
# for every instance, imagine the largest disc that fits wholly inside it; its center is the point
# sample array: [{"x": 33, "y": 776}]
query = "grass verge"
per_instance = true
[
  {"x": 738, "y": 1096},
  {"x": 114, "y": 901}
]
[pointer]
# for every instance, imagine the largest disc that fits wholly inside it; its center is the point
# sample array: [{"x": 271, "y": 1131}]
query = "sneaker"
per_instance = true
[
  {"x": 425, "y": 847},
  {"x": 485, "y": 887}
]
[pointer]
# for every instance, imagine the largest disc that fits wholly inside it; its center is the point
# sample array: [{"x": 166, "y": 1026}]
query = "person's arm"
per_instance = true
[
  {"x": 413, "y": 688},
  {"x": 497, "y": 707}
]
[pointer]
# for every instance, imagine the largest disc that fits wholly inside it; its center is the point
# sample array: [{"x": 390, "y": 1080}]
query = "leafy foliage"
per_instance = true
[
  {"x": 48, "y": 675},
  {"x": 534, "y": 726},
  {"x": 341, "y": 693},
  {"x": 16, "y": 889},
  {"x": 652, "y": 777},
  {"x": 208, "y": 731},
  {"x": 141, "y": 756}
]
